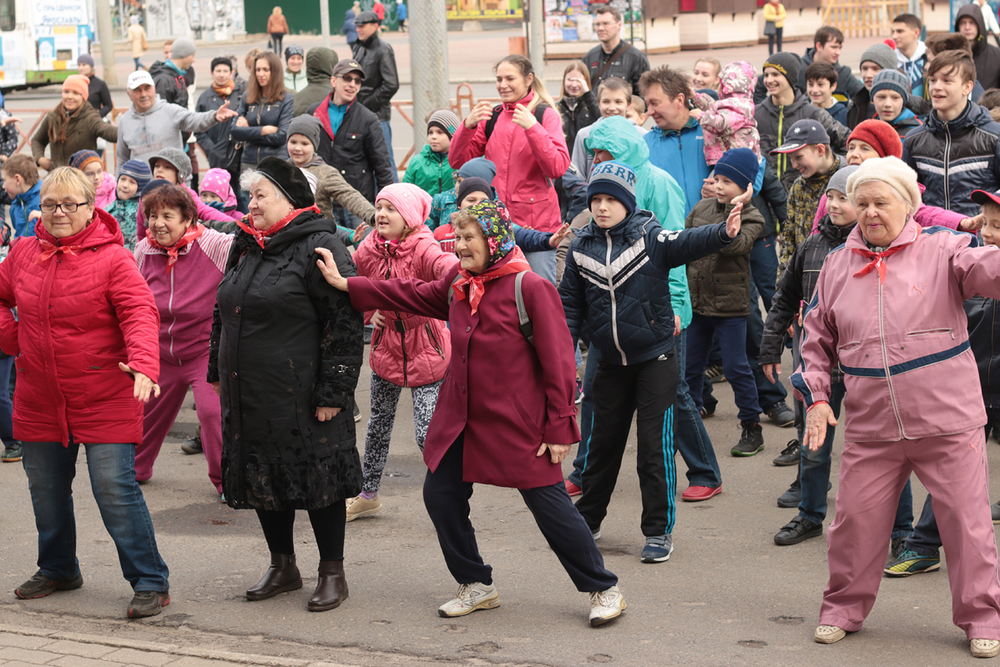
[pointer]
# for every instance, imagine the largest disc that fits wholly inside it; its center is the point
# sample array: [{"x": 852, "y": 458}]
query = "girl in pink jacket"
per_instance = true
[
  {"x": 729, "y": 123},
  {"x": 407, "y": 350}
]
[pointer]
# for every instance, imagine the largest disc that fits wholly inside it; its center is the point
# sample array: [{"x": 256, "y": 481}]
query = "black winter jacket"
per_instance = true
[
  {"x": 984, "y": 337},
  {"x": 629, "y": 66},
  {"x": 772, "y": 202},
  {"x": 170, "y": 85},
  {"x": 283, "y": 343},
  {"x": 796, "y": 286},
  {"x": 358, "y": 151},
  {"x": 256, "y": 146},
  {"x": 985, "y": 55},
  {"x": 847, "y": 83},
  {"x": 584, "y": 112},
  {"x": 381, "y": 82},
  {"x": 215, "y": 140},
  {"x": 616, "y": 284},
  {"x": 773, "y": 122},
  {"x": 948, "y": 157},
  {"x": 861, "y": 107},
  {"x": 99, "y": 96}
]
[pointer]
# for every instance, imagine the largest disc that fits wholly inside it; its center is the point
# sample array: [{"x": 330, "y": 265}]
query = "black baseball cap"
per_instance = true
[{"x": 805, "y": 132}]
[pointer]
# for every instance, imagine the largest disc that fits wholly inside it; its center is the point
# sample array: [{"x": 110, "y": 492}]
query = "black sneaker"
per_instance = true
[
  {"x": 148, "y": 603},
  {"x": 714, "y": 374},
  {"x": 192, "y": 446},
  {"x": 790, "y": 455},
  {"x": 793, "y": 496},
  {"x": 995, "y": 509},
  {"x": 897, "y": 546},
  {"x": 357, "y": 413},
  {"x": 12, "y": 452},
  {"x": 781, "y": 415},
  {"x": 751, "y": 440},
  {"x": 40, "y": 586},
  {"x": 797, "y": 530},
  {"x": 706, "y": 412}
]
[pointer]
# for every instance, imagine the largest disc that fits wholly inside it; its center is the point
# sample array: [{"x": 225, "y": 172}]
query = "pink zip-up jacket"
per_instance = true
[
  {"x": 185, "y": 297},
  {"x": 106, "y": 192},
  {"x": 903, "y": 344},
  {"x": 527, "y": 161},
  {"x": 926, "y": 216},
  {"x": 419, "y": 354}
]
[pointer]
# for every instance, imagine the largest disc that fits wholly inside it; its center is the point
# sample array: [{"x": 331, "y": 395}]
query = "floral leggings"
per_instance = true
[{"x": 385, "y": 398}]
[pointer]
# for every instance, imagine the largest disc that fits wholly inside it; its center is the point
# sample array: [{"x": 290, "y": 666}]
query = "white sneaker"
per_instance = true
[
  {"x": 471, "y": 597},
  {"x": 606, "y": 606},
  {"x": 829, "y": 634},
  {"x": 358, "y": 507},
  {"x": 985, "y": 648}
]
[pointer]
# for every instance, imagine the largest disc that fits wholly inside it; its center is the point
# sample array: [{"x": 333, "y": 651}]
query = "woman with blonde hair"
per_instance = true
[
  {"x": 265, "y": 112},
  {"x": 577, "y": 106},
  {"x": 277, "y": 28},
  {"x": 524, "y": 139}
]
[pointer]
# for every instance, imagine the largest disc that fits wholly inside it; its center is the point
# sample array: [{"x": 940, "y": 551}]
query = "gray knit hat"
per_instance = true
[
  {"x": 181, "y": 48},
  {"x": 880, "y": 54},
  {"x": 891, "y": 79},
  {"x": 444, "y": 119},
  {"x": 308, "y": 126},
  {"x": 176, "y": 157},
  {"x": 838, "y": 181}
]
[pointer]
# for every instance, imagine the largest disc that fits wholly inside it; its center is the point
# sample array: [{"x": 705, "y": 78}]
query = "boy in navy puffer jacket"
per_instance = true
[{"x": 622, "y": 296}]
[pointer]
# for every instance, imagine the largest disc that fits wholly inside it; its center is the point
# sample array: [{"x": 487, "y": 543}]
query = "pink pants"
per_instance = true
[
  {"x": 161, "y": 413},
  {"x": 872, "y": 475}
]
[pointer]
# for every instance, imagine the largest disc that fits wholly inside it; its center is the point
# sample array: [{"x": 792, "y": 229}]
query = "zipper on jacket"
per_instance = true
[
  {"x": 614, "y": 303},
  {"x": 885, "y": 362},
  {"x": 434, "y": 340},
  {"x": 947, "y": 163},
  {"x": 781, "y": 156},
  {"x": 399, "y": 327},
  {"x": 925, "y": 332},
  {"x": 170, "y": 309}
]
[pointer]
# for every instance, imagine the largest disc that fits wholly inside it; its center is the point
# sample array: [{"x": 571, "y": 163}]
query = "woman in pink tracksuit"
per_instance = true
[
  {"x": 183, "y": 263},
  {"x": 407, "y": 350},
  {"x": 888, "y": 307}
]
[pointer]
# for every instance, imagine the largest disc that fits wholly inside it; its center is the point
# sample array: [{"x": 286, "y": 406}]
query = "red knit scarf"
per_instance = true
[
  {"x": 189, "y": 237},
  {"x": 477, "y": 283},
  {"x": 262, "y": 235}
]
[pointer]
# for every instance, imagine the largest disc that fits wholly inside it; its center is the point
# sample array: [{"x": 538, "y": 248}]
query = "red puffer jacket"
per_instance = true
[
  {"x": 419, "y": 354},
  {"x": 81, "y": 311}
]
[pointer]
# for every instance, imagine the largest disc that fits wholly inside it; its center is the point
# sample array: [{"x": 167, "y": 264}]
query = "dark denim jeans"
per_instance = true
[
  {"x": 50, "y": 469},
  {"x": 732, "y": 332},
  {"x": 764, "y": 268},
  {"x": 586, "y": 415},
  {"x": 6, "y": 406},
  {"x": 690, "y": 436}
]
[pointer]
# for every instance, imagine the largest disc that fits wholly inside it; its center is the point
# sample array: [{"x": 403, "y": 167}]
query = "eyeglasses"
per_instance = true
[
  {"x": 352, "y": 79},
  {"x": 67, "y": 207}
]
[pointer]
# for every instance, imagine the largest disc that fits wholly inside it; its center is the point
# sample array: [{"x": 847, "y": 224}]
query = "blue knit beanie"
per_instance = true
[
  {"x": 616, "y": 179},
  {"x": 739, "y": 165},
  {"x": 138, "y": 171}
]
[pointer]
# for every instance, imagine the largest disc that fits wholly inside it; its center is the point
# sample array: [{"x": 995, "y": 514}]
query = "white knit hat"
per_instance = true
[{"x": 889, "y": 170}]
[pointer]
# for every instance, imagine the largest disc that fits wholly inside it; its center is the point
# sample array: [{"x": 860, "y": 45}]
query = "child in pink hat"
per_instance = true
[
  {"x": 216, "y": 191},
  {"x": 729, "y": 123}
]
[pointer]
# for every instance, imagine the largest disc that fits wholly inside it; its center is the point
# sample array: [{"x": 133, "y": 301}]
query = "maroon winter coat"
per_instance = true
[
  {"x": 507, "y": 396},
  {"x": 79, "y": 315}
]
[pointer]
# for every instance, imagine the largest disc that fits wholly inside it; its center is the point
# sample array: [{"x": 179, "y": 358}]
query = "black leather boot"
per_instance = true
[
  {"x": 331, "y": 589},
  {"x": 282, "y": 576}
]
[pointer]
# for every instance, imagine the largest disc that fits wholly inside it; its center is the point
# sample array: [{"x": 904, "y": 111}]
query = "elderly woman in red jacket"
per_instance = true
[
  {"x": 529, "y": 153},
  {"x": 87, "y": 359},
  {"x": 511, "y": 429}
]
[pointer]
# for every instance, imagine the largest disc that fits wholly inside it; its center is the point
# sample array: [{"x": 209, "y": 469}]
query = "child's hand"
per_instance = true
[
  {"x": 359, "y": 233},
  {"x": 733, "y": 223},
  {"x": 745, "y": 197},
  {"x": 708, "y": 188},
  {"x": 523, "y": 117},
  {"x": 34, "y": 215},
  {"x": 972, "y": 224},
  {"x": 559, "y": 235}
]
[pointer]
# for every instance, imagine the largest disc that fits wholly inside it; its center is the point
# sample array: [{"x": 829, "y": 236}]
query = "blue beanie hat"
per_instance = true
[
  {"x": 616, "y": 179},
  {"x": 739, "y": 165},
  {"x": 138, "y": 171}
]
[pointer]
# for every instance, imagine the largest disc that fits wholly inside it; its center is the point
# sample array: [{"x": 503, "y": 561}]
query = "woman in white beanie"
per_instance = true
[{"x": 888, "y": 308}]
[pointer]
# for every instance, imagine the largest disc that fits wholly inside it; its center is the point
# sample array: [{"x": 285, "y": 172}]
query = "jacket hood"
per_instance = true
[
  {"x": 619, "y": 137},
  {"x": 629, "y": 229},
  {"x": 834, "y": 232},
  {"x": 401, "y": 250},
  {"x": 973, "y": 10},
  {"x": 973, "y": 116},
  {"x": 160, "y": 67},
  {"x": 102, "y": 230},
  {"x": 906, "y": 118},
  {"x": 319, "y": 65}
]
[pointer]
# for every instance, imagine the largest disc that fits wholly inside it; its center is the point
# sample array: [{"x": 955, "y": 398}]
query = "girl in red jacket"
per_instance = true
[{"x": 407, "y": 350}]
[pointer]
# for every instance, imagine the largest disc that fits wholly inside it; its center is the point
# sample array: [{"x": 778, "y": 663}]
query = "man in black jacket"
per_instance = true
[
  {"x": 969, "y": 21},
  {"x": 381, "y": 81},
  {"x": 170, "y": 76},
  {"x": 100, "y": 96},
  {"x": 626, "y": 61},
  {"x": 352, "y": 140}
]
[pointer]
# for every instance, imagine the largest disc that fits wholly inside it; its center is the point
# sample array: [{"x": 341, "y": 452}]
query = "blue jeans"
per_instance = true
[
  {"x": 543, "y": 263},
  {"x": 764, "y": 268},
  {"x": 387, "y": 133},
  {"x": 586, "y": 415},
  {"x": 690, "y": 436},
  {"x": 768, "y": 393},
  {"x": 732, "y": 332},
  {"x": 6, "y": 406},
  {"x": 814, "y": 466},
  {"x": 925, "y": 540},
  {"x": 50, "y": 469}
]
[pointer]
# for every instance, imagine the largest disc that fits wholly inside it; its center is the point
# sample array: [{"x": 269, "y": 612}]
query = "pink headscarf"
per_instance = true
[
  {"x": 217, "y": 181},
  {"x": 412, "y": 203}
]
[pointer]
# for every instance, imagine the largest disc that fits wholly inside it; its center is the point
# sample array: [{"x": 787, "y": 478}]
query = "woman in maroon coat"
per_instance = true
[
  {"x": 86, "y": 342},
  {"x": 510, "y": 429}
]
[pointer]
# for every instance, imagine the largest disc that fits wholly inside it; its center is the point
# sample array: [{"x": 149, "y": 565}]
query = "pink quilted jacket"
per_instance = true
[{"x": 729, "y": 123}]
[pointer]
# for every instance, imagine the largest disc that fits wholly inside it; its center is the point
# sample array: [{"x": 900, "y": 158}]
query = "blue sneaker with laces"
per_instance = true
[
  {"x": 910, "y": 562},
  {"x": 657, "y": 549}
]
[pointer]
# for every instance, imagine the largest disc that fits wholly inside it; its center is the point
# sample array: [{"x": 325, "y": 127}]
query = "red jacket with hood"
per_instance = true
[{"x": 80, "y": 313}]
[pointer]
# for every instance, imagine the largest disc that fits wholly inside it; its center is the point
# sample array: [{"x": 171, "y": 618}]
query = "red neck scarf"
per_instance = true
[
  {"x": 262, "y": 235},
  {"x": 189, "y": 237},
  {"x": 877, "y": 260},
  {"x": 49, "y": 249},
  {"x": 477, "y": 283}
]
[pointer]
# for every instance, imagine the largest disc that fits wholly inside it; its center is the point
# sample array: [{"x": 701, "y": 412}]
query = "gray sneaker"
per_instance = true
[
  {"x": 12, "y": 452},
  {"x": 657, "y": 549}
]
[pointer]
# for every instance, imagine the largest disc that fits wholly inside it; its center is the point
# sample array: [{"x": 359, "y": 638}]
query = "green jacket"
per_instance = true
[
  {"x": 655, "y": 190},
  {"x": 429, "y": 171}
]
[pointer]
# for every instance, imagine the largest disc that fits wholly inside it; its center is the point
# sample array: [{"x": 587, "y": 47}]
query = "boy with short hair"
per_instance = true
[
  {"x": 633, "y": 327},
  {"x": 957, "y": 150},
  {"x": 614, "y": 96},
  {"x": 23, "y": 186},
  {"x": 911, "y": 52},
  {"x": 821, "y": 81},
  {"x": 430, "y": 170},
  {"x": 808, "y": 149},
  {"x": 890, "y": 89}
]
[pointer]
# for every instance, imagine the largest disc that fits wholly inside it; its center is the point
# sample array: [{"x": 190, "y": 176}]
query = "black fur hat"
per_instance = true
[{"x": 289, "y": 179}]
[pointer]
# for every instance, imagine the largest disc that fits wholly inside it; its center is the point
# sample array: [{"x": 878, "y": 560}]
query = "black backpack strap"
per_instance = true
[{"x": 491, "y": 123}]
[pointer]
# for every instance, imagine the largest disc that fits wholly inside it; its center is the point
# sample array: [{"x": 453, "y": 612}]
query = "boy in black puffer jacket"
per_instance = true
[{"x": 623, "y": 297}]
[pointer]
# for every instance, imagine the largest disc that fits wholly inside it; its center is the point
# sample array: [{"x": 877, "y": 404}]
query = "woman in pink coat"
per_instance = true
[
  {"x": 888, "y": 307},
  {"x": 407, "y": 350},
  {"x": 529, "y": 154},
  {"x": 505, "y": 413}
]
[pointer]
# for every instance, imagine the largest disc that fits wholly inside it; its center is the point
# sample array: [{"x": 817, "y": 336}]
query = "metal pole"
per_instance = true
[
  {"x": 428, "y": 63},
  {"x": 324, "y": 21},
  {"x": 106, "y": 36},
  {"x": 536, "y": 38}
]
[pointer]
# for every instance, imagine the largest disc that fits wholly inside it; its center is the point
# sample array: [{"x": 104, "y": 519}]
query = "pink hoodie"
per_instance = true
[{"x": 106, "y": 193}]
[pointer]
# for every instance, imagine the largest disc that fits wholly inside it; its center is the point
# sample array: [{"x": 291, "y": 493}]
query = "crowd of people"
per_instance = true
[{"x": 614, "y": 248}]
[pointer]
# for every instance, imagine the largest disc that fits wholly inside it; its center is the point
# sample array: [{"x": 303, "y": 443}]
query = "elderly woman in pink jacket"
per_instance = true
[
  {"x": 407, "y": 350},
  {"x": 527, "y": 145},
  {"x": 888, "y": 308}
]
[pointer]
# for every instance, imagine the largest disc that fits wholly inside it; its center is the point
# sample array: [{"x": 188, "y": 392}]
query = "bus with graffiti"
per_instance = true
[{"x": 40, "y": 40}]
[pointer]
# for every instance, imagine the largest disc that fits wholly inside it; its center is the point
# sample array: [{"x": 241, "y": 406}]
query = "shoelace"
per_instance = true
[
  {"x": 604, "y": 598},
  {"x": 792, "y": 446}
]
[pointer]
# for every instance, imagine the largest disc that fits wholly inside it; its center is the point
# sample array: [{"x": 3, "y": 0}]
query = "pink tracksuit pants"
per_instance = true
[
  {"x": 872, "y": 475},
  {"x": 161, "y": 413}
]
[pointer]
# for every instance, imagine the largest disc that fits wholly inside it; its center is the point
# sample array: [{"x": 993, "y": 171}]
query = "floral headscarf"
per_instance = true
[{"x": 495, "y": 221}]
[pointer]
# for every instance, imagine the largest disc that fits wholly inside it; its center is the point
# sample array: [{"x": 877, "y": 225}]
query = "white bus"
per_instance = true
[{"x": 40, "y": 40}]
